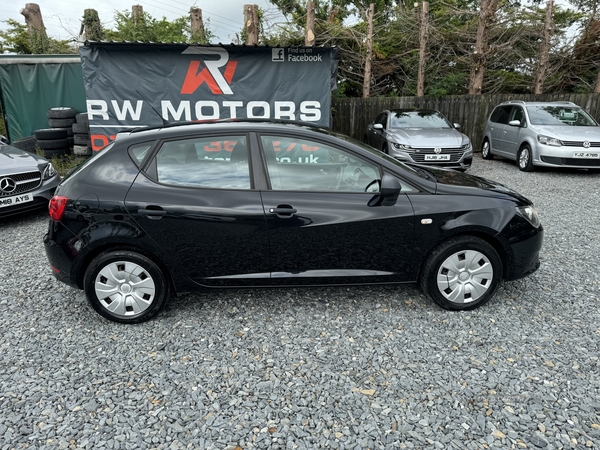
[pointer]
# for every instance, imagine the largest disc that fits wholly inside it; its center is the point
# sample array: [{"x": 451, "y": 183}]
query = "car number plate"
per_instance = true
[
  {"x": 15, "y": 200},
  {"x": 437, "y": 157},
  {"x": 595, "y": 155}
]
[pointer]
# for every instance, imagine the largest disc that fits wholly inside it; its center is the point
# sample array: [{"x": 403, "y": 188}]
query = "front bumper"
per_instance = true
[
  {"x": 549, "y": 156},
  {"x": 41, "y": 197}
]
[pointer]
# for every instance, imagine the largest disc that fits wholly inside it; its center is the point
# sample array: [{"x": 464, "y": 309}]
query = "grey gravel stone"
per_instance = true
[{"x": 340, "y": 367}]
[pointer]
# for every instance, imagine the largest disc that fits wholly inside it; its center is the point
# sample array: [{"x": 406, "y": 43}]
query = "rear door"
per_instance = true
[
  {"x": 197, "y": 200},
  {"x": 325, "y": 224}
]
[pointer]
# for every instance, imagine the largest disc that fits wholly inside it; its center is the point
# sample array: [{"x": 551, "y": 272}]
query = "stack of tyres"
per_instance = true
[
  {"x": 81, "y": 135},
  {"x": 62, "y": 117},
  {"x": 53, "y": 141}
]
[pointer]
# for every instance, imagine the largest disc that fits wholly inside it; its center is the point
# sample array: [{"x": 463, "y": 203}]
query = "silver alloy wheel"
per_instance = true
[
  {"x": 124, "y": 288},
  {"x": 486, "y": 149},
  {"x": 524, "y": 158},
  {"x": 465, "y": 276}
]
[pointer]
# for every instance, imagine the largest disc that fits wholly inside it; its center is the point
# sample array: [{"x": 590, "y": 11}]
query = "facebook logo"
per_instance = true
[{"x": 277, "y": 55}]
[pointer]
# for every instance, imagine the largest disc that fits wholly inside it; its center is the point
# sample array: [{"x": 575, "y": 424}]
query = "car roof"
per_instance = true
[
  {"x": 177, "y": 129},
  {"x": 403, "y": 110},
  {"x": 522, "y": 102}
]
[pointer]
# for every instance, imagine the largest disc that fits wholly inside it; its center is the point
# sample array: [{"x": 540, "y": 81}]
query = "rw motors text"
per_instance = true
[{"x": 126, "y": 112}]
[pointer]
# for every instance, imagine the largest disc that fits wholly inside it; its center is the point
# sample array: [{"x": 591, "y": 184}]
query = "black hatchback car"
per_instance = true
[{"x": 246, "y": 204}]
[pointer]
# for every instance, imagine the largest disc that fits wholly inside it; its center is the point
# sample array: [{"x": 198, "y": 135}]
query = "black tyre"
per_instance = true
[
  {"x": 52, "y": 144},
  {"x": 80, "y": 128},
  {"x": 81, "y": 139},
  {"x": 51, "y": 133},
  {"x": 125, "y": 286},
  {"x": 461, "y": 273},
  {"x": 61, "y": 112},
  {"x": 28, "y": 144},
  {"x": 51, "y": 153},
  {"x": 61, "y": 123},
  {"x": 525, "y": 159},
  {"x": 486, "y": 150},
  {"x": 82, "y": 150},
  {"x": 82, "y": 119}
]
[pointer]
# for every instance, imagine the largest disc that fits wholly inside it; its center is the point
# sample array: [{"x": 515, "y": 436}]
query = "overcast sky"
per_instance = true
[{"x": 62, "y": 18}]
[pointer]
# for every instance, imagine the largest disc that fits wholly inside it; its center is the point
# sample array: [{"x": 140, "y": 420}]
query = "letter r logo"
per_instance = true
[{"x": 211, "y": 75}]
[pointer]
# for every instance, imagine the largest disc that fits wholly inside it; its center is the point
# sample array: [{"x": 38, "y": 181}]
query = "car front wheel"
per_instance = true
[
  {"x": 462, "y": 273},
  {"x": 486, "y": 151},
  {"x": 125, "y": 286},
  {"x": 525, "y": 159}
]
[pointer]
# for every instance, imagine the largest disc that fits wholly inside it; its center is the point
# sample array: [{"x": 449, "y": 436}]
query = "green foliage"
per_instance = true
[
  {"x": 17, "y": 39},
  {"x": 149, "y": 29}
]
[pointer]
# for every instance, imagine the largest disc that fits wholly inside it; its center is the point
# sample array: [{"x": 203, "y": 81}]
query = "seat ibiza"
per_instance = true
[{"x": 257, "y": 204}]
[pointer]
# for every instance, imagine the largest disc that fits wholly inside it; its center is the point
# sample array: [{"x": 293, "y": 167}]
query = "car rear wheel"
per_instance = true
[
  {"x": 462, "y": 273},
  {"x": 125, "y": 286},
  {"x": 486, "y": 152},
  {"x": 524, "y": 159}
]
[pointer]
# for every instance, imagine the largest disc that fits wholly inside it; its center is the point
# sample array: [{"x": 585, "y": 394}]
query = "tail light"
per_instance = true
[{"x": 57, "y": 206}]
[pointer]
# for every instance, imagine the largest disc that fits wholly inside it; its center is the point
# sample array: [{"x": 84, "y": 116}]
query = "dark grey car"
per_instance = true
[
  {"x": 420, "y": 136},
  {"x": 27, "y": 181}
]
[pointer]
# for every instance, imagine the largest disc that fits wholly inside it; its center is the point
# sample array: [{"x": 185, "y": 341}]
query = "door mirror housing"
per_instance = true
[
  {"x": 377, "y": 126},
  {"x": 390, "y": 189},
  {"x": 456, "y": 126},
  {"x": 515, "y": 123}
]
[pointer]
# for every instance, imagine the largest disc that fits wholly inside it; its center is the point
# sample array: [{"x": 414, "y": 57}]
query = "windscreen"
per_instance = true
[
  {"x": 560, "y": 115},
  {"x": 418, "y": 119}
]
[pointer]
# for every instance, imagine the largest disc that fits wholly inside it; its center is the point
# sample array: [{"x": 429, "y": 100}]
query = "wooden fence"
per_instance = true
[{"x": 352, "y": 115}]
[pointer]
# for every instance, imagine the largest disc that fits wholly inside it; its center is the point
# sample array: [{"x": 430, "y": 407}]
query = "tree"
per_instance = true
[{"x": 17, "y": 39}]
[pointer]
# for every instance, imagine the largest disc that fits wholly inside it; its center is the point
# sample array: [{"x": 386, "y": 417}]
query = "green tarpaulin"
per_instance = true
[{"x": 29, "y": 85}]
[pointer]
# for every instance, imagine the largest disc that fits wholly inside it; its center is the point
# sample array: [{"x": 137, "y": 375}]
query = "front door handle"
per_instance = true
[
  {"x": 153, "y": 212},
  {"x": 283, "y": 210}
]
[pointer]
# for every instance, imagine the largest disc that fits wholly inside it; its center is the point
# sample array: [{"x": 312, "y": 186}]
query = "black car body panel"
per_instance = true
[
  {"x": 27, "y": 181},
  {"x": 259, "y": 235}
]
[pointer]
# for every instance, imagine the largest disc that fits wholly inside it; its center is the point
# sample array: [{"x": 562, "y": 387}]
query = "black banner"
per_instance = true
[{"x": 134, "y": 85}]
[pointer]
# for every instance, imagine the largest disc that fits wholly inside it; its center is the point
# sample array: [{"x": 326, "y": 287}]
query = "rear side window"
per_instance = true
[
  {"x": 205, "y": 162},
  {"x": 139, "y": 151},
  {"x": 500, "y": 114}
]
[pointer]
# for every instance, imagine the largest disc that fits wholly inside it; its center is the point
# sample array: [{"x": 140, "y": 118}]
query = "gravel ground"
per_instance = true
[{"x": 353, "y": 368}]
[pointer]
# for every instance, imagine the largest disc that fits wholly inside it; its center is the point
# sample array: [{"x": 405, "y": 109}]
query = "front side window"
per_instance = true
[
  {"x": 299, "y": 164},
  {"x": 517, "y": 114},
  {"x": 560, "y": 115},
  {"x": 382, "y": 119},
  {"x": 219, "y": 162}
]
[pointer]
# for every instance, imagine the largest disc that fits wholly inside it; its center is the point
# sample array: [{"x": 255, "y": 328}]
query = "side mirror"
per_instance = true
[
  {"x": 515, "y": 123},
  {"x": 377, "y": 126},
  {"x": 390, "y": 189},
  {"x": 456, "y": 125}
]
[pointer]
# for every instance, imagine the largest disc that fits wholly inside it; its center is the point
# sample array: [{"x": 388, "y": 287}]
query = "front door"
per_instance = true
[{"x": 325, "y": 224}]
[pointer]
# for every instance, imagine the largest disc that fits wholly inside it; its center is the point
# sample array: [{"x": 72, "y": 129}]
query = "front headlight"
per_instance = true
[
  {"x": 49, "y": 171},
  {"x": 466, "y": 147},
  {"x": 547, "y": 140},
  {"x": 530, "y": 214},
  {"x": 401, "y": 146}
]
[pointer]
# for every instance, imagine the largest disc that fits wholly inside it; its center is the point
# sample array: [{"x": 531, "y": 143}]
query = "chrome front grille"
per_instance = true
[
  {"x": 579, "y": 144},
  {"x": 418, "y": 154},
  {"x": 23, "y": 182}
]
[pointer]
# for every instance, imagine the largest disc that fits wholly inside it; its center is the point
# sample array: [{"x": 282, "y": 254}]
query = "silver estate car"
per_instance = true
[
  {"x": 420, "y": 136},
  {"x": 549, "y": 134}
]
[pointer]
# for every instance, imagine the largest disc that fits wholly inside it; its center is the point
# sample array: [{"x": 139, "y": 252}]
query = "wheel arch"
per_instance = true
[
  {"x": 500, "y": 248},
  {"x": 116, "y": 246}
]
